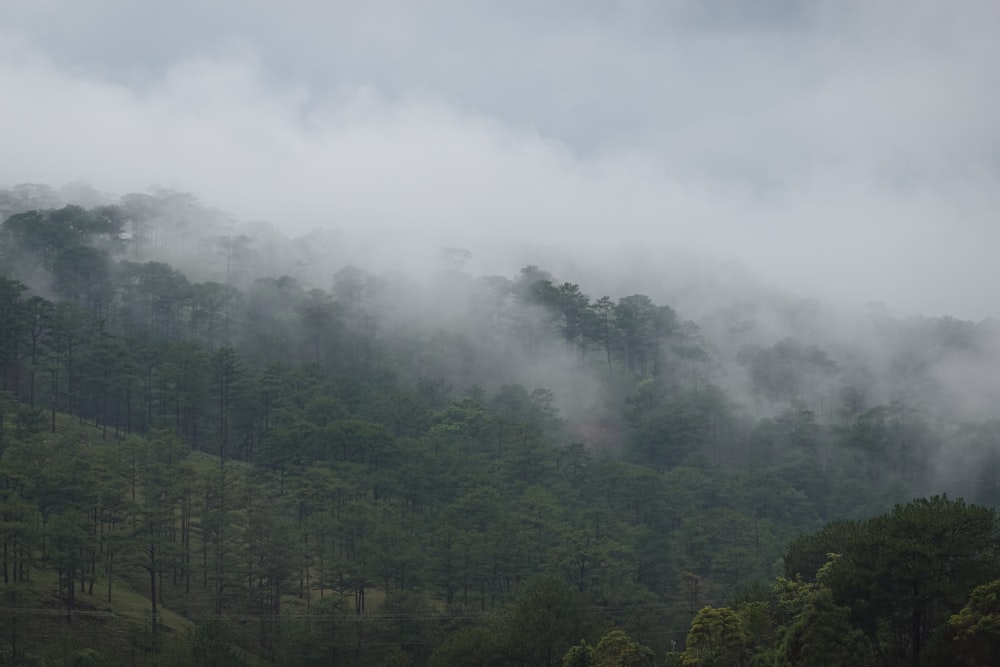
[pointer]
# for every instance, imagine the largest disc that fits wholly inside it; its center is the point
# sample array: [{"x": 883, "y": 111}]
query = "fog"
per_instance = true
[{"x": 843, "y": 151}]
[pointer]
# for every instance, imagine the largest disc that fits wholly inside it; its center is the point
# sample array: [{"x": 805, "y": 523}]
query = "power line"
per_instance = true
[{"x": 427, "y": 616}]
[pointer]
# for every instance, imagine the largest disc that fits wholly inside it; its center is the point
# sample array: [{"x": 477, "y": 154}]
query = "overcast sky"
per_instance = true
[{"x": 845, "y": 150}]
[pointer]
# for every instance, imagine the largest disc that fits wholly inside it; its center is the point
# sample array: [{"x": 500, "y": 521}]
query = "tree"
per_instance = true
[
  {"x": 716, "y": 639},
  {"x": 821, "y": 634},
  {"x": 595, "y": 552},
  {"x": 640, "y": 325},
  {"x": 788, "y": 369},
  {"x": 272, "y": 558},
  {"x": 66, "y": 245},
  {"x": 894, "y": 439},
  {"x": 667, "y": 424},
  {"x": 70, "y": 331},
  {"x": 570, "y": 309},
  {"x": 602, "y": 327},
  {"x": 12, "y": 328},
  {"x": 161, "y": 474},
  {"x": 974, "y": 632},
  {"x": 808, "y": 553},
  {"x": 212, "y": 645},
  {"x": 212, "y": 313},
  {"x": 83, "y": 275},
  {"x": 320, "y": 320},
  {"x": 156, "y": 298},
  {"x": 68, "y": 535},
  {"x": 228, "y": 385},
  {"x": 581, "y": 655},
  {"x": 540, "y": 625},
  {"x": 616, "y": 649},
  {"x": 904, "y": 573},
  {"x": 476, "y": 646}
]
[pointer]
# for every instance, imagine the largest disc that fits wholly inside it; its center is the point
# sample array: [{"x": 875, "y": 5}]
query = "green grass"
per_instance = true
[{"x": 36, "y": 620}]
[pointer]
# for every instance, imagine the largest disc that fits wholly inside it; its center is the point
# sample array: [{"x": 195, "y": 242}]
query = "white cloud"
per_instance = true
[{"x": 848, "y": 153}]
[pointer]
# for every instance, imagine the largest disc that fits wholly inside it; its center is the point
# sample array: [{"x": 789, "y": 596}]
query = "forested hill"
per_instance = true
[{"x": 287, "y": 458}]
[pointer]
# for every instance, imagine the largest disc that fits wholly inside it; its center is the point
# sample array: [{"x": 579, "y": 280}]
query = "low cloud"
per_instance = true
[{"x": 848, "y": 152}]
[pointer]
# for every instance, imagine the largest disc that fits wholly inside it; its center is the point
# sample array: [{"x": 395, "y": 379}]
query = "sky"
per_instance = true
[{"x": 848, "y": 150}]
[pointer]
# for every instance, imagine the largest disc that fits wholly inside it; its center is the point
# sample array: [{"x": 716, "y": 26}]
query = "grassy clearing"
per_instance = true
[{"x": 35, "y": 624}]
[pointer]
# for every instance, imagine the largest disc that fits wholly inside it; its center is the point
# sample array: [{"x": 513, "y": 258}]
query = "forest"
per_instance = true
[{"x": 223, "y": 446}]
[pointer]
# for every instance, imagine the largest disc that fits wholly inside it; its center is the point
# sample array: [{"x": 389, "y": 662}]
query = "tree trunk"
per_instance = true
[{"x": 152, "y": 582}]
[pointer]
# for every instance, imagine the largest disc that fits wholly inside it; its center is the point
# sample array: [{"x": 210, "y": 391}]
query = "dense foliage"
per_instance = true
[{"x": 490, "y": 471}]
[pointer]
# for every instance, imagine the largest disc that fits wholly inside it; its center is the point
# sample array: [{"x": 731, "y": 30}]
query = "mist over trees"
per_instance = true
[{"x": 281, "y": 454}]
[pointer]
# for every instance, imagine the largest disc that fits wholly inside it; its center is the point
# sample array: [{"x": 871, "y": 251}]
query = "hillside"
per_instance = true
[{"x": 266, "y": 453}]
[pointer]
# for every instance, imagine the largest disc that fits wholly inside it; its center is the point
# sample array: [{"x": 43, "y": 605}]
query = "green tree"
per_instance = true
[
  {"x": 475, "y": 646},
  {"x": 787, "y": 370},
  {"x": 603, "y": 330},
  {"x": 642, "y": 330},
  {"x": 581, "y": 655},
  {"x": 821, "y": 634},
  {"x": 82, "y": 275},
  {"x": 161, "y": 475},
  {"x": 616, "y": 649},
  {"x": 974, "y": 632},
  {"x": 904, "y": 573},
  {"x": 540, "y": 625},
  {"x": 212, "y": 306},
  {"x": 667, "y": 424},
  {"x": 716, "y": 639},
  {"x": 12, "y": 329},
  {"x": 212, "y": 645}
]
